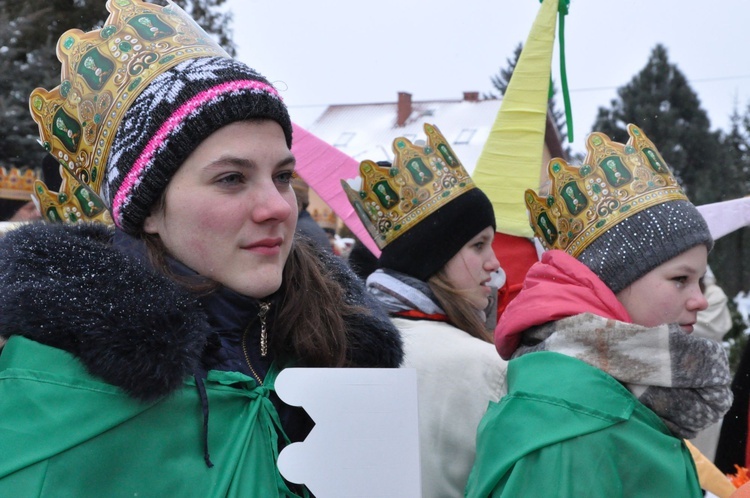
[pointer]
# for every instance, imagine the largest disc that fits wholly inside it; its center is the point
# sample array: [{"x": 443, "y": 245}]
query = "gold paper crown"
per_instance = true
[
  {"x": 422, "y": 179},
  {"x": 103, "y": 72},
  {"x": 75, "y": 202},
  {"x": 616, "y": 181},
  {"x": 325, "y": 218},
  {"x": 18, "y": 184}
]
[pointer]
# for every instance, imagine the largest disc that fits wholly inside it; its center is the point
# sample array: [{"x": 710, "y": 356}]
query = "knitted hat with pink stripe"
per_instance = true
[{"x": 170, "y": 118}]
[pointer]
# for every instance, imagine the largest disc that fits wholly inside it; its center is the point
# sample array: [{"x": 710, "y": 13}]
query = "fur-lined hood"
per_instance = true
[{"x": 68, "y": 287}]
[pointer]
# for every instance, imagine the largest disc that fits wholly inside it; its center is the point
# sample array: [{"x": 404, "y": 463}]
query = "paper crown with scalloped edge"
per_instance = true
[
  {"x": 103, "y": 72},
  {"x": 18, "y": 183},
  {"x": 616, "y": 181},
  {"x": 325, "y": 218},
  {"x": 421, "y": 180},
  {"x": 74, "y": 202}
]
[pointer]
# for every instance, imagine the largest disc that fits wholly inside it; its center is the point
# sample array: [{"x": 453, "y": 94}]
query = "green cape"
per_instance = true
[
  {"x": 64, "y": 433},
  {"x": 567, "y": 429}
]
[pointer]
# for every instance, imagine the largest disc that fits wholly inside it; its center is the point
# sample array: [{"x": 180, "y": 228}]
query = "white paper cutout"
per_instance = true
[
  {"x": 365, "y": 443},
  {"x": 725, "y": 217}
]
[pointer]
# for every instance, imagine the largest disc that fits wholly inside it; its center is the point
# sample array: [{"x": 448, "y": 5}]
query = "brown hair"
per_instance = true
[
  {"x": 309, "y": 326},
  {"x": 461, "y": 313}
]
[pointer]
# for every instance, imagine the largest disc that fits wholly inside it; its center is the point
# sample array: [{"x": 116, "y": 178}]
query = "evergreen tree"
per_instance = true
[
  {"x": 729, "y": 259},
  {"x": 727, "y": 178},
  {"x": 29, "y": 30},
  {"x": 733, "y": 172},
  {"x": 501, "y": 80},
  {"x": 711, "y": 166},
  {"x": 660, "y": 101}
]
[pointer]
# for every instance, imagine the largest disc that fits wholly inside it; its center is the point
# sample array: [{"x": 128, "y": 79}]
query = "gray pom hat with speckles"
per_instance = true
[{"x": 641, "y": 242}]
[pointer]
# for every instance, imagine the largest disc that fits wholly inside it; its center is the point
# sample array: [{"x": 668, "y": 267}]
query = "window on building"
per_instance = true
[
  {"x": 344, "y": 139},
  {"x": 465, "y": 136}
]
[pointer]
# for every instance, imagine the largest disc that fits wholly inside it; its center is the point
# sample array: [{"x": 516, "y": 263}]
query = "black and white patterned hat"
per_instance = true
[{"x": 177, "y": 111}]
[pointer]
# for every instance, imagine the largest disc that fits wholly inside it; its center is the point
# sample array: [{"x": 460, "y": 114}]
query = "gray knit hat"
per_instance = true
[
  {"x": 645, "y": 240},
  {"x": 177, "y": 111},
  {"x": 622, "y": 212}
]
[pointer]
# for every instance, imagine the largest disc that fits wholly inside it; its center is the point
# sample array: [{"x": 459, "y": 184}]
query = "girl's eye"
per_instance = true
[
  {"x": 680, "y": 280},
  {"x": 479, "y": 245},
  {"x": 284, "y": 177},
  {"x": 231, "y": 179}
]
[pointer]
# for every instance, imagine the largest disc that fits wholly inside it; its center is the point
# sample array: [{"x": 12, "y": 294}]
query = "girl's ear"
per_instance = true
[{"x": 153, "y": 222}]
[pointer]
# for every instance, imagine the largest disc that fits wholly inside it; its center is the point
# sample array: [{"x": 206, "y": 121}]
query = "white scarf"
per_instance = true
[{"x": 399, "y": 292}]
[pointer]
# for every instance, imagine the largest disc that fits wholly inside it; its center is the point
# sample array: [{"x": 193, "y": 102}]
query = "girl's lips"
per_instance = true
[
  {"x": 687, "y": 328},
  {"x": 267, "y": 247}
]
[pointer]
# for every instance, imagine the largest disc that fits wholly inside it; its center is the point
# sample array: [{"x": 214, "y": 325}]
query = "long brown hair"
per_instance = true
[
  {"x": 461, "y": 313},
  {"x": 309, "y": 326}
]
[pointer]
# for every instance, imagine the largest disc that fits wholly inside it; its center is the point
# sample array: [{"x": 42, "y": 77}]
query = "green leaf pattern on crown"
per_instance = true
[
  {"x": 74, "y": 203},
  {"x": 616, "y": 181},
  {"x": 103, "y": 71},
  {"x": 422, "y": 179}
]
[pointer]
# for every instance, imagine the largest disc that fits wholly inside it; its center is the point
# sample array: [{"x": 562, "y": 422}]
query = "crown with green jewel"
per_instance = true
[
  {"x": 423, "y": 178},
  {"x": 103, "y": 71},
  {"x": 616, "y": 181}
]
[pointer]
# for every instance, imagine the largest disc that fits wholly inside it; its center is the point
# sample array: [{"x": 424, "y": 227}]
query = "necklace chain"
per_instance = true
[{"x": 264, "y": 307}]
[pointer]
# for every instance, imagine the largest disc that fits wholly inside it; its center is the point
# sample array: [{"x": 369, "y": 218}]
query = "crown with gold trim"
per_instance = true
[
  {"x": 616, "y": 181},
  {"x": 74, "y": 202},
  {"x": 18, "y": 183},
  {"x": 103, "y": 72},
  {"x": 423, "y": 178},
  {"x": 325, "y": 218}
]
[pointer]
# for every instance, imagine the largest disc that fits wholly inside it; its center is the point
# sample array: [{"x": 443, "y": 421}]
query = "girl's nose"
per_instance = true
[
  {"x": 492, "y": 263},
  {"x": 270, "y": 204},
  {"x": 697, "y": 301}
]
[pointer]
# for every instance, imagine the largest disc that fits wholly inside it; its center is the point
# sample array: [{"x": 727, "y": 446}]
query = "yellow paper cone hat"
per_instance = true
[{"x": 511, "y": 159}]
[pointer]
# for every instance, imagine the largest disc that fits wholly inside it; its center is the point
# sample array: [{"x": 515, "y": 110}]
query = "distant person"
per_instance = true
[
  {"x": 713, "y": 323},
  {"x": 733, "y": 447},
  {"x": 16, "y": 204},
  {"x": 716, "y": 320},
  {"x": 433, "y": 280}
]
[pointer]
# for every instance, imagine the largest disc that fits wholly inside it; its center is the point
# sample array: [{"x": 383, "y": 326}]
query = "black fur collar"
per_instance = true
[{"x": 68, "y": 287}]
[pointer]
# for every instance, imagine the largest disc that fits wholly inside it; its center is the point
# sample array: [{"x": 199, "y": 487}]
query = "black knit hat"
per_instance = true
[
  {"x": 177, "y": 111},
  {"x": 645, "y": 240},
  {"x": 431, "y": 243}
]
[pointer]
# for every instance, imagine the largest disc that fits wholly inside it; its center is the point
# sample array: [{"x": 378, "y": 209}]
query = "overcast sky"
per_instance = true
[{"x": 343, "y": 51}]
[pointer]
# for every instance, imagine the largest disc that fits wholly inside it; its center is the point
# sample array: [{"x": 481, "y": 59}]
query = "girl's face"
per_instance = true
[
  {"x": 230, "y": 211},
  {"x": 670, "y": 293},
  {"x": 470, "y": 269}
]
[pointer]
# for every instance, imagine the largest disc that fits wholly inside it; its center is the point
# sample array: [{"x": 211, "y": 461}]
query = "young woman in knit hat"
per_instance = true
[
  {"x": 141, "y": 361},
  {"x": 434, "y": 279},
  {"x": 605, "y": 380}
]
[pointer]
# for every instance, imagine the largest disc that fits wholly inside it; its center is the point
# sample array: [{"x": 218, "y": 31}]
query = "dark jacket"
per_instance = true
[{"x": 308, "y": 227}]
